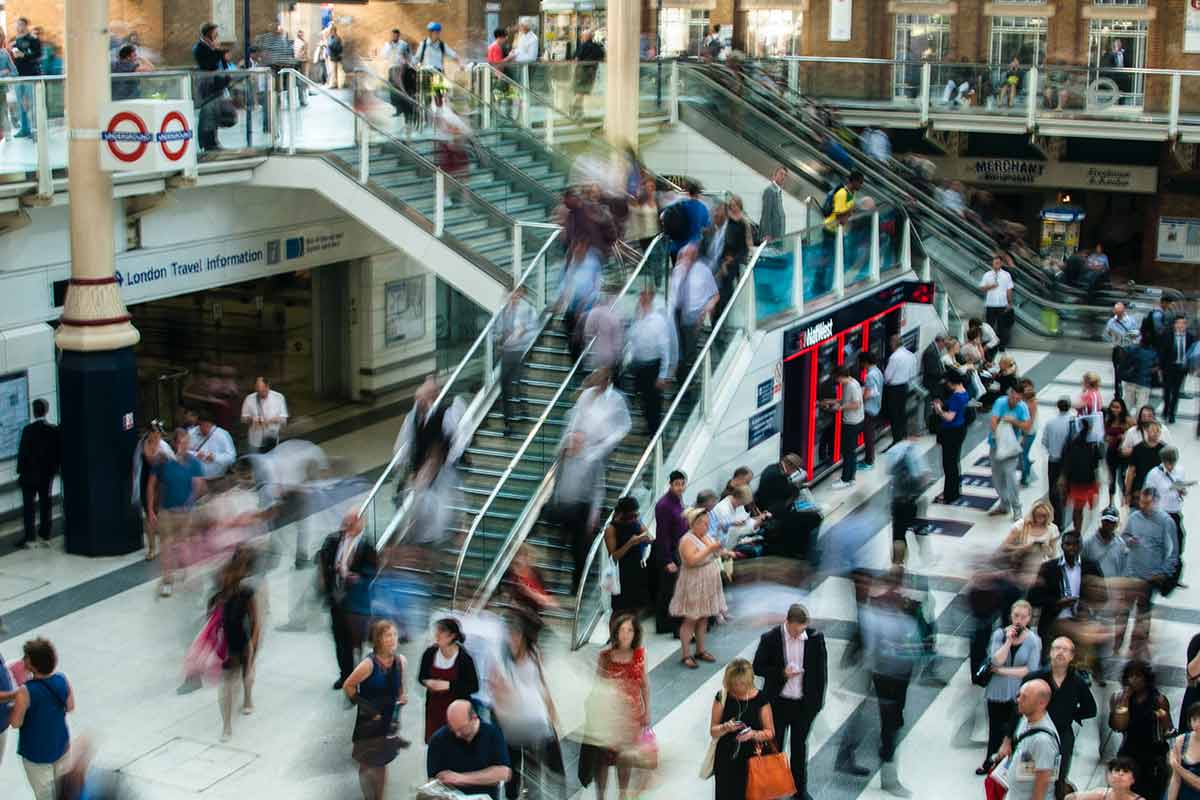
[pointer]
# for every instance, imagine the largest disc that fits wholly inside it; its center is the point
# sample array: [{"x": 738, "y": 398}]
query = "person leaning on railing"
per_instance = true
[{"x": 210, "y": 57}]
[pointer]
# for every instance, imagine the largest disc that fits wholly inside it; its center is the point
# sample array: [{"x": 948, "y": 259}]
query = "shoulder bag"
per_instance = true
[
  {"x": 768, "y": 775},
  {"x": 1008, "y": 446},
  {"x": 710, "y": 755}
]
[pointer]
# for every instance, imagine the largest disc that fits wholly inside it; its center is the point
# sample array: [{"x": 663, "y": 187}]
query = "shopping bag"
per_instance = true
[
  {"x": 710, "y": 755},
  {"x": 769, "y": 776},
  {"x": 206, "y": 656},
  {"x": 1008, "y": 446},
  {"x": 995, "y": 785},
  {"x": 610, "y": 580}
]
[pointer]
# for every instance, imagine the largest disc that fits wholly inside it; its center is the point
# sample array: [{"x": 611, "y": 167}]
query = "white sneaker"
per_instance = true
[
  {"x": 164, "y": 590},
  {"x": 840, "y": 484}
]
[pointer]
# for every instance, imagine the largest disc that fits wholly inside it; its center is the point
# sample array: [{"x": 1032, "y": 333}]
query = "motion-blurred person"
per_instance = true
[
  {"x": 1142, "y": 715},
  {"x": 526, "y": 715},
  {"x": 899, "y": 373},
  {"x": 625, "y": 538},
  {"x": 605, "y": 329},
  {"x": 346, "y": 564},
  {"x": 1015, "y": 651},
  {"x": 619, "y": 711},
  {"x": 698, "y": 591},
  {"x": 693, "y": 296},
  {"x": 738, "y": 244},
  {"x": 595, "y": 426},
  {"x": 579, "y": 291},
  {"x": 1117, "y": 422},
  {"x": 741, "y": 718},
  {"x": 468, "y": 754},
  {"x": 151, "y": 451},
  {"x": 684, "y": 221},
  {"x": 794, "y": 665},
  {"x": 447, "y": 672},
  {"x": 1170, "y": 480},
  {"x": 1121, "y": 330},
  {"x": 651, "y": 357},
  {"x": 1056, "y": 435},
  {"x": 39, "y": 457},
  {"x": 1029, "y": 396},
  {"x": 1062, "y": 589},
  {"x": 670, "y": 526},
  {"x": 429, "y": 438},
  {"x": 242, "y": 625},
  {"x": 377, "y": 688},
  {"x": 264, "y": 412},
  {"x": 952, "y": 432},
  {"x": 1034, "y": 539},
  {"x": 908, "y": 475},
  {"x": 588, "y": 56},
  {"x": 1184, "y": 758},
  {"x": 213, "y": 446},
  {"x": 1119, "y": 775},
  {"x": 1151, "y": 563},
  {"x": 39, "y": 713},
  {"x": 890, "y": 636},
  {"x": 526, "y": 586},
  {"x": 1011, "y": 411},
  {"x": 516, "y": 329},
  {"x": 172, "y": 491},
  {"x": 1139, "y": 366}
]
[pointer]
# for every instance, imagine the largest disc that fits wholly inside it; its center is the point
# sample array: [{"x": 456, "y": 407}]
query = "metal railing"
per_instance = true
[{"x": 489, "y": 580}]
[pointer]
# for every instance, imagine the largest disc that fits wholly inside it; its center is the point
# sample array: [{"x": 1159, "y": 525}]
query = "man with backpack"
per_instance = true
[
  {"x": 908, "y": 473},
  {"x": 432, "y": 51},
  {"x": 1033, "y": 765},
  {"x": 684, "y": 221},
  {"x": 836, "y": 208}
]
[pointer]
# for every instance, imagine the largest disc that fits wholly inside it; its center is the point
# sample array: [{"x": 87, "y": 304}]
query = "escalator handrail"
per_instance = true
[
  {"x": 480, "y": 341},
  {"x": 648, "y": 453},
  {"x": 412, "y": 155},
  {"x": 496, "y": 73},
  {"x": 490, "y": 579}
]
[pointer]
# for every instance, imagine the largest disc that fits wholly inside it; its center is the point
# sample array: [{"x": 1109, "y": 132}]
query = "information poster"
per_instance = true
[
  {"x": 1191, "y": 27},
  {"x": 1179, "y": 240},
  {"x": 14, "y": 412},
  {"x": 404, "y": 310},
  {"x": 840, "y": 14},
  {"x": 763, "y": 426}
]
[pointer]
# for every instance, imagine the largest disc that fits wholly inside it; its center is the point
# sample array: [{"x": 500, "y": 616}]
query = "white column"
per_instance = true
[
  {"x": 621, "y": 72},
  {"x": 94, "y": 316}
]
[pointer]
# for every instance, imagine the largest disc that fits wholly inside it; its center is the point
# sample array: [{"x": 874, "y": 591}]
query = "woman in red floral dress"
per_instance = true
[{"x": 629, "y": 739}]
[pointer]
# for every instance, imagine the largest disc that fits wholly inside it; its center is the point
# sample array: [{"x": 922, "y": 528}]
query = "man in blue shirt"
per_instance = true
[
  {"x": 1009, "y": 410},
  {"x": 696, "y": 216},
  {"x": 171, "y": 493},
  {"x": 468, "y": 754}
]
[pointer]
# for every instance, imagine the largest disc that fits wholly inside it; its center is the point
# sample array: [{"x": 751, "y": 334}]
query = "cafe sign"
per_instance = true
[{"x": 1031, "y": 174}]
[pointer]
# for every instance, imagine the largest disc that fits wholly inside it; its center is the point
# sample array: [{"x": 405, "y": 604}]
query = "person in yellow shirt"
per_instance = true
[
  {"x": 843, "y": 202},
  {"x": 840, "y": 210}
]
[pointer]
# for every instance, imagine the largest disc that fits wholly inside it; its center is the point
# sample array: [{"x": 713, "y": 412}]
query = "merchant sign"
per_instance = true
[{"x": 1022, "y": 172}]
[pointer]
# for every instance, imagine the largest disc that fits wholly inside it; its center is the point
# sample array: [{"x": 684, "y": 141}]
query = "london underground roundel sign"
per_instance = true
[
  {"x": 174, "y": 134},
  {"x": 127, "y": 136}
]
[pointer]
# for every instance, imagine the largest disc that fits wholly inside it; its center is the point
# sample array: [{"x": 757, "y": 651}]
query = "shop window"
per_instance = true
[
  {"x": 774, "y": 32},
  {"x": 682, "y": 30},
  {"x": 1113, "y": 43},
  {"x": 1022, "y": 38},
  {"x": 919, "y": 38}
]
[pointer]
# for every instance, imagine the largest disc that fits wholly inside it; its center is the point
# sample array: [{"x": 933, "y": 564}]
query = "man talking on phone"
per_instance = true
[{"x": 794, "y": 665}]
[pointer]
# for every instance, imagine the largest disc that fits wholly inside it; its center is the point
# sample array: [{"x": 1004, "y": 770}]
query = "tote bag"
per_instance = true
[
  {"x": 769, "y": 776},
  {"x": 1008, "y": 446},
  {"x": 710, "y": 755}
]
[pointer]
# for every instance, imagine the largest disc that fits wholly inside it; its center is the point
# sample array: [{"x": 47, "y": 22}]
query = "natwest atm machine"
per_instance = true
[{"x": 814, "y": 350}]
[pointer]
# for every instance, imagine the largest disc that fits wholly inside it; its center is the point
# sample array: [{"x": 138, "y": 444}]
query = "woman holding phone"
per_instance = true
[{"x": 741, "y": 719}]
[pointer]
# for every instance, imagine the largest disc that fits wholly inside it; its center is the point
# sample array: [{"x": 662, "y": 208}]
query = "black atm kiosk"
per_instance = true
[{"x": 811, "y": 353}]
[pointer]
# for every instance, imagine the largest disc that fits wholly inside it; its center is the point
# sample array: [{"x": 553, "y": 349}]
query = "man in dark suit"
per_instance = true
[
  {"x": 39, "y": 457},
  {"x": 793, "y": 663},
  {"x": 932, "y": 367},
  {"x": 347, "y": 563},
  {"x": 1173, "y": 357},
  {"x": 1062, "y": 586}
]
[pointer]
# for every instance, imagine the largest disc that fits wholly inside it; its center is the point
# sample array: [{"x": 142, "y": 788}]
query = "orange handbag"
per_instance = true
[{"x": 770, "y": 777}]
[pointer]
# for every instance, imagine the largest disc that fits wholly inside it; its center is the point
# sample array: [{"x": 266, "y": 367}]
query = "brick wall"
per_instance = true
[{"x": 1180, "y": 276}]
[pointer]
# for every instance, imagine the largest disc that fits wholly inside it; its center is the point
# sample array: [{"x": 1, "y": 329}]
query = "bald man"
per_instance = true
[
  {"x": 1034, "y": 764},
  {"x": 347, "y": 563},
  {"x": 468, "y": 754}
]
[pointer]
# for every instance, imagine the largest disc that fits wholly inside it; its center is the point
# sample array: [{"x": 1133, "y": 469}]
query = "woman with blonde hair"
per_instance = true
[
  {"x": 1035, "y": 537},
  {"x": 1089, "y": 401},
  {"x": 741, "y": 719},
  {"x": 376, "y": 686},
  {"x": 698, "y": 592}
]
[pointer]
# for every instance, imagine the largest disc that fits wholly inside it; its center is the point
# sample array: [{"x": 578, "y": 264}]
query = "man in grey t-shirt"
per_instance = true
[
  {"x": 851, "y": 406},
  {"x": 1033, "y": 766}
]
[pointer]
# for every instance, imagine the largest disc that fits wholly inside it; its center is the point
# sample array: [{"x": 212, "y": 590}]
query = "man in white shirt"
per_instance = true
[
  {"x": 264, "y": 412},
  {"x": 433, "y": 51},
  {"x": 694, "y": 295},
  {"x": 1172, "y": 485},
  {"x": 516, "y": 328},
  {"x": 595, "y": 426},
  {"x": 851, "y": 406},
  {"x": 430, "y": 436},
  {"x": 526, "y": 45},
  {"x": 300, "y": 53},
  {"x": 651, "y": 357},
  {"x": 899, "y": 372},
  {"x": 997, "y": 287},
  {"x": 212, "y": 446}
]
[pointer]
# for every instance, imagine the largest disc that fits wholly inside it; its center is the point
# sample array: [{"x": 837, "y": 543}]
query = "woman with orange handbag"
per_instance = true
[{"x": 741, "y": 722}]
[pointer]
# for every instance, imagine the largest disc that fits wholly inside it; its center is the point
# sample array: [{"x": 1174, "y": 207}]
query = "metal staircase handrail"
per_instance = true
[
  {"x": 480, "y": 341},
  {"x": 651, "y": 444},
  {"x": 525, "y": 444}
]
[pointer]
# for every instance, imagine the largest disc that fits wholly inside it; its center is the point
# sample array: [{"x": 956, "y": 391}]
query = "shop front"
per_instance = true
[
  {"x": 682, "y": 26},
  {"x": 564, "y": 21},
  {"x": 774, "y": 28}
]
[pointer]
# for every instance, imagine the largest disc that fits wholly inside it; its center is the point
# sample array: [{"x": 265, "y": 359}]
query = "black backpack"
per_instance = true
[
  {"x": 335, "y": 46},
  {"x": 675, "y": 222}
]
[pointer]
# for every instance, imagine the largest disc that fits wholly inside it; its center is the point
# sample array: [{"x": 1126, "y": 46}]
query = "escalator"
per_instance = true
[{"x": 758, "y": 118}]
